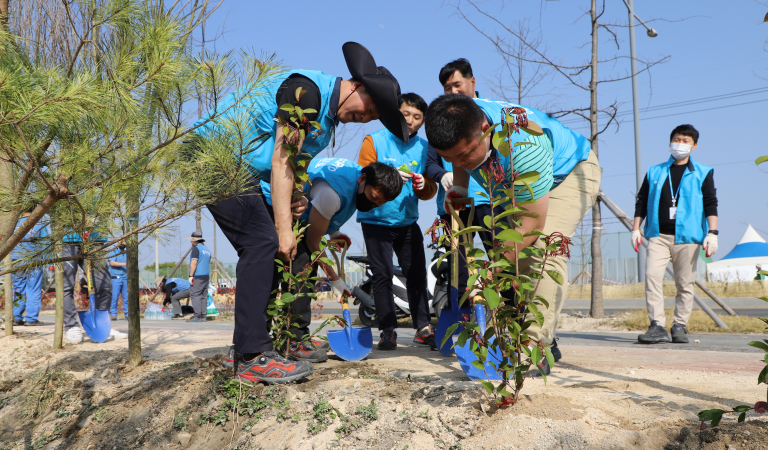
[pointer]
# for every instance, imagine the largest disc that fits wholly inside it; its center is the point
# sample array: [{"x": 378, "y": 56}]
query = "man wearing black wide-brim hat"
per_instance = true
[{"x": 259, "y": 231}]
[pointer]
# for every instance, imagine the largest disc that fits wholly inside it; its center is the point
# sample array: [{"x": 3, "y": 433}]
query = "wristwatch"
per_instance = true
[{"x": 715, "y": 232}]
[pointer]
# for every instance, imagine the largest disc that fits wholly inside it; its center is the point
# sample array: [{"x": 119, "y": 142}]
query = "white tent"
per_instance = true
[{"x": 740, "y": 264}]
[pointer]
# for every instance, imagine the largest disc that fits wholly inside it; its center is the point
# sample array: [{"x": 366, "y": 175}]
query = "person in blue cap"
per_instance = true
[
  {"x": 199, "y": 277},
  {"x": 28, "y": 285},
  {"x": 119, "y": 273},
  {"x": 261, "y": 232}
]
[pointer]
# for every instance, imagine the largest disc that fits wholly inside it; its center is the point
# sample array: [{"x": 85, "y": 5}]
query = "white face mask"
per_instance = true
[{"x": 679, "y": 151}]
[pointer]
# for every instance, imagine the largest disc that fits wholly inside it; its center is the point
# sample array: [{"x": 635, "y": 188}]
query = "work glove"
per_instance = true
[
  {"x": 405, "y": 176},
  {"x": 336, "y": 235},
  {"x": 339, "y": 288},
  {"x": 418, "y": 181},
  {"x": 191, "y": 280},
  {"x": 710, "y": 244},
  {"x": 637, "y": 240},
  {"x": 447, "y": 180},
  {"x": 453, "y": 193}
]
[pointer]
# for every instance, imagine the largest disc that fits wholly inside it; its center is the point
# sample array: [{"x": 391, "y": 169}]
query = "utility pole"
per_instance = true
[
  {"x": 596, "y": 305},
  {"x": 157, "y": 258}
]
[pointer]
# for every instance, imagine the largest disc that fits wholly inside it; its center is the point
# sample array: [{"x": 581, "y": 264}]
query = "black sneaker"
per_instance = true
[
  {"x": 388, "y": 339},
  {"x": 114, "y": 318},
  {"x": 18, "y": 322},
  {"x": 656, "y": 334},
  {"x": 271, "y": 368},
  {"x": 196, "y": 319},
  {"x": 544, "y": 364},
  {"x": 37, "y": 323},
  {"x": 232, "y": 358},
  {"x": 679, "y": 333},
  {"x": 556, "y": 354},
  {"x": 177, "y": 316},
  {"x": 425, "y": 336},
  {"x": 307, "y": 352}
]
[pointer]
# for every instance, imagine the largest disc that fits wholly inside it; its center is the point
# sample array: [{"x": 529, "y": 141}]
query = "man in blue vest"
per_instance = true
[
  {"x": 569, "y": 179},
  {"x": 370, "y": 94},
  {"x": 393, "y": 227},
  {"x": 339, "y": 189},
  {"x": 28, "y": 285},
  {"x": 199, "y": 277},
  {"x": 679, "y": 204},
  {"x": 456, "y": 78},
  {"x": 118, "y": 272},
  {"x": 175, "y": 289}
]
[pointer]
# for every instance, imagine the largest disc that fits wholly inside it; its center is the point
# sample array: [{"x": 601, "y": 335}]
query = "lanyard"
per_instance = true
[{"x": 674, "y": 197}]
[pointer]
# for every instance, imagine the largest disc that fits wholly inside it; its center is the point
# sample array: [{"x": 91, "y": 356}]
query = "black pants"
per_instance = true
[
  {"x": 485, "y": 236},
  {"x": 408, "y": 244},
  {"x": 244, "y": 220}
]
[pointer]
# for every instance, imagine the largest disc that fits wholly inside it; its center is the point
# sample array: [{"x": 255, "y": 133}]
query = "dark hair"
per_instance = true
[
  {"x": 384, "y": 177},
  {"x": 452, "y": 118},
  {"x": 461, "y": 64},
  {"x": 414, "y": 100},
  {"x": 686, "y": 130}
]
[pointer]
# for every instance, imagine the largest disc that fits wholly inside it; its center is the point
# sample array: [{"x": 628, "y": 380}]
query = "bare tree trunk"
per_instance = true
[
  {"x": 596, "y": 307},
  {"x": 8, "y": 282},
  {"x": 198, "y": 221},
  {"x": 134, "y": 324}
]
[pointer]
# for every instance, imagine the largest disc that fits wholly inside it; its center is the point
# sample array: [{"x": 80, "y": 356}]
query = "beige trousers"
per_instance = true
[
  {"x": 684, "y": 258},
  {"x": 568, "y": 204}
]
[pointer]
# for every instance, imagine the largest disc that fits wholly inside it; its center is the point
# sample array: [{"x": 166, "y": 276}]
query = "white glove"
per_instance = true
[
  {"x": 418, "y": 181},
  {"x": 447, "y": 180},
  {"x": 637, "y": 240},
  {"x": 710, "y": 244},
  {"x": 405, "y": 176},
  {"x": 339, "y": 287},
  {"x": 455, "y": 192}
]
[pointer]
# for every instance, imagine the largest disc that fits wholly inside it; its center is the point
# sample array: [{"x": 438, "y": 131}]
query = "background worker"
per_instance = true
[
  {"x": 118, "y": 273},
  {"x": 569, "y": 180},
  {"x": 394, "y": 226},
  {"x": 679, "y": 204},
  {"x": 339, "y": 189},
  {"x": 456, "y": 78},
  {"x": 199, "y": 277},
  {"x": 28, "y": 285},
  {"x": 370, "y": 94},
  {"x": 759, "y": 276},
  {"x": 175, "y": 290},
  {"x": 102, "y": 284}
]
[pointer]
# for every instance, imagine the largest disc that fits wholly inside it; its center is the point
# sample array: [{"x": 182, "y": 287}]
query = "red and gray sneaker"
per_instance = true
[
  {"x": 232, "y": 358},
  {"x": 271, "y": 368},
  {"x": 388, "y": 339},
  {"x": 425, "y": 336},
  {"x": 307, "y": 352},
  {"x": 320, "y": 344}
]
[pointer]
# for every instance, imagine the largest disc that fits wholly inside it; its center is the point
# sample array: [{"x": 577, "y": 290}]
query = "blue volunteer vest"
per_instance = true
[
  {"x": 203, "y": 261},
  {"x": 474, "y": 187},
  {"x": 38, "y": 230},
  {"x": 341, "y": 175},
  {"x": 258, "y": 110},
  {"x": 121, "y": 271},
  {"x": 569, "y": 147},
  {"x": 403, "y": 210},
  {"x": 691, "y": 226},
  {"x": 181, "y": 284}
]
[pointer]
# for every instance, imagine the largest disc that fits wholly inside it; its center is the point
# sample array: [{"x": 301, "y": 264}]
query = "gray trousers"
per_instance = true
[
  {"x": 199, "y": 295},
  {"x": 101, "y": 279},
  {"x": 175, "y": 301}
]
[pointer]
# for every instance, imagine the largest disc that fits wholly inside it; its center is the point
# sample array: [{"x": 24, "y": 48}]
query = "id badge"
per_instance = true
[{"x": 672, "y": 213}]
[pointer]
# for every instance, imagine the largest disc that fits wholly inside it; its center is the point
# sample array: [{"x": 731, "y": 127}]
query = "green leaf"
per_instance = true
[
  {"x": 742, "y": 416},
  {"x": 504, "y": 393},
  {"x": 471, "y": 280},
  {"x": 448, "y": 334},
  {"x": 478, "y": 364},
  {"x": 763, "y": 377},
  {"x": 528, "y": 177},
  {"x": 710, "y": 414},
  {"x": 472, "y": 229},
  {"x": 534, "y": 233},
  {"x": 487, "y": 385},
  {"x": 461, "y": 340},
  {"x": 503, "y": 148},
  {"x": 761, "y": 345},
  {"x": 476, "y": 253},
  {"x": 492, "y": 297},
  {"x": 555, "y": 276},
  {"x": 518, "y": 144},
  {"x": 761, "y": 160},
  {"x": 498, "y": 138},
  {"x": 535, "y": 355},
  {"x": 309, "y": 111},
  {"x": 550, "y": 358},
  {"x": 487, "y": 220},
  {"x": 742, "y": 408},
  {"x": 488, "y": 131},
  {"x": 510, "y": 236},
  {"x": 716, "y": 421}
]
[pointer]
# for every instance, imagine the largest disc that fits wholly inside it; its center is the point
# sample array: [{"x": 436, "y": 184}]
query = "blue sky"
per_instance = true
[{"x": 717, "y": 50}]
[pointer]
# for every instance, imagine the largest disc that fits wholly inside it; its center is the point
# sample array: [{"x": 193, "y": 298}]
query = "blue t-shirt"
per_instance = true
[
  {"x": 203, "y": 257},
  {"x": 118, "y": 271},
  {"x": 181, "y": 284}
]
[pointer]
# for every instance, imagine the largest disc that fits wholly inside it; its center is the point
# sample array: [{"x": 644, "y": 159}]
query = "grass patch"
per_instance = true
[
  {"x": 699, "y": 322},
  {"x": 41, "y": 391}
]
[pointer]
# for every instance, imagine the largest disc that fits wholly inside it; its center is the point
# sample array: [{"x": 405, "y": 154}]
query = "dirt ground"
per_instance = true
[{"x": 85, "y": 397}]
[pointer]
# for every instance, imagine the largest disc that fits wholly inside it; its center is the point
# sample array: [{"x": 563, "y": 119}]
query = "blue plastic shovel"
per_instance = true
[
  {"x": 349, "y": 344},
  {"x": 96, "y": 323},
  {"x": 466, "y": 356}
]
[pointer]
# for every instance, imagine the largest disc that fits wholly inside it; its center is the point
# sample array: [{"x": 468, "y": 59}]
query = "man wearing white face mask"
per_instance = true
[{"x": 679, "y": 202}]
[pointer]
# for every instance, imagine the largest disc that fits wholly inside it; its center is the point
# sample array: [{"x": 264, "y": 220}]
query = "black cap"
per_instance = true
[
  {"x": 196, "y": 237},
  {"x": 381, "y": 86}
]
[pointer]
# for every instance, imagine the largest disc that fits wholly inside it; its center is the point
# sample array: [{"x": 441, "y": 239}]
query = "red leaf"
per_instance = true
[{"x": 761, "y": 407}]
